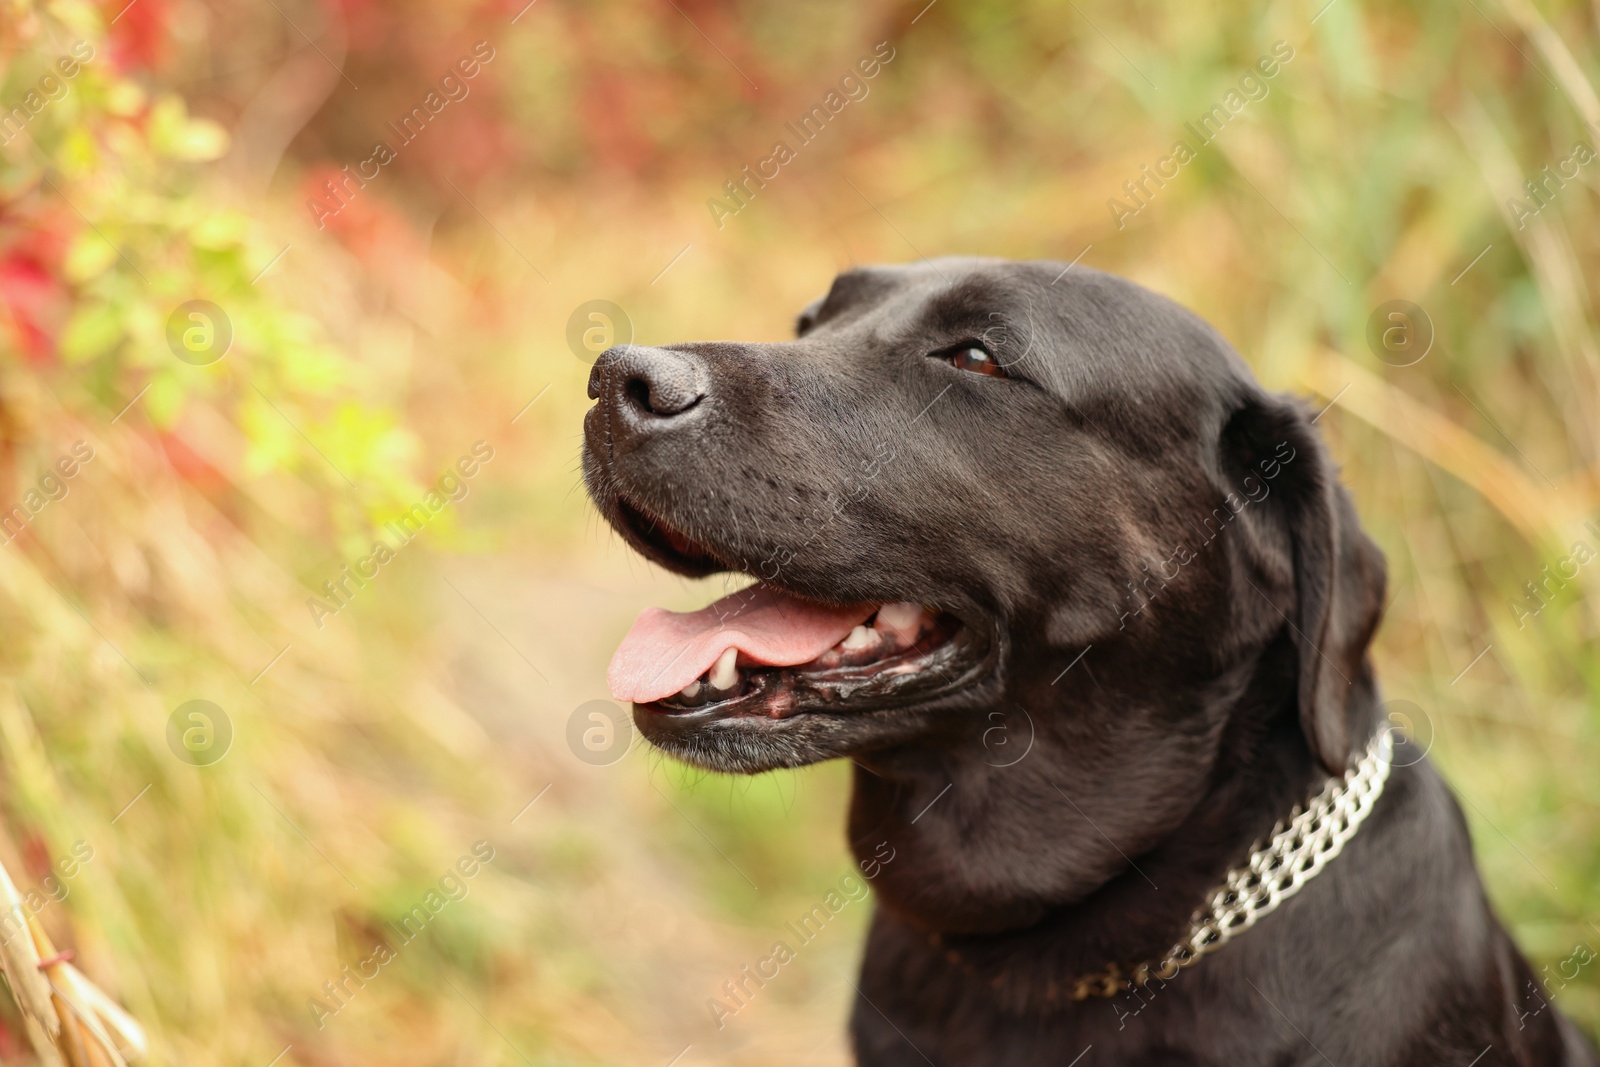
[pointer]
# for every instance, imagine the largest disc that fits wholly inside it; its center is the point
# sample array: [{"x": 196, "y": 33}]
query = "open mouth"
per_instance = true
[{"x": 766, "y": 653}]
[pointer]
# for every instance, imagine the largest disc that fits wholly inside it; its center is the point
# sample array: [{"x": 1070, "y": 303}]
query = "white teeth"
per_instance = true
[
  {"x": 901, "y": 616},
  {"x": 901, "y": 623},
  {"x": 690, "y": 691},
  {"x": 724, "y": 674},
  {"x": 860, "y": 637}
]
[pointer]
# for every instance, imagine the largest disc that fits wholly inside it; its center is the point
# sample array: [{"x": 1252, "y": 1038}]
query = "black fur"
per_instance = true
[{"x": 1130, "y": 491}]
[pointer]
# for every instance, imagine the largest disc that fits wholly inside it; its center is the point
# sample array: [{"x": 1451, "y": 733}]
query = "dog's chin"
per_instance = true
[
  {"x": 750, "y": 745},
  {"x": 848, "y": 701}
]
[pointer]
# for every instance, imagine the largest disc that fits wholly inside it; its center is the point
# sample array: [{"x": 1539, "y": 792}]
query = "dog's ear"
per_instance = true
[
  {"x": 1338, "y": 573},
  {"x": 808, "y": 317}
]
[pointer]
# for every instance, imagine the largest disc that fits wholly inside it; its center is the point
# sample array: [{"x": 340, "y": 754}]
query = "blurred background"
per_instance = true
[{"x": 397, "y": 217}]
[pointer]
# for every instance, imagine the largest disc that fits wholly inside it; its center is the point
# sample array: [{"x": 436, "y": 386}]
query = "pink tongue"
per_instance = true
[{"x": 666, "y": 650}]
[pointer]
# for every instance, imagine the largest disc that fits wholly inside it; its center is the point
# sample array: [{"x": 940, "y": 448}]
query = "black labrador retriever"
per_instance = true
[{"x": 1089, "y": 611}]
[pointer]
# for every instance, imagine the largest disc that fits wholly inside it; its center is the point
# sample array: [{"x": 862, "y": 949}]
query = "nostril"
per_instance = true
[
  {"x": 644, "y": 381},
  {"x": 663, "y": 394},
  {"x": 638, "y": 391}
]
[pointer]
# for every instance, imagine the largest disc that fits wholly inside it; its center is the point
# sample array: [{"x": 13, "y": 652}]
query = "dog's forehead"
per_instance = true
[
  {"x": 1075, "y": 329},
  {"x": 921, "y": 291}
]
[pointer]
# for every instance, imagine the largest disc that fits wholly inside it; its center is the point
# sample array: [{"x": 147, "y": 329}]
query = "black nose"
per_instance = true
[{"x": 648, "y": 383}]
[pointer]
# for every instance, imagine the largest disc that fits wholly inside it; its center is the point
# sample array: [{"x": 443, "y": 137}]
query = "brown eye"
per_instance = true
[{"x": 974, "y": 359}]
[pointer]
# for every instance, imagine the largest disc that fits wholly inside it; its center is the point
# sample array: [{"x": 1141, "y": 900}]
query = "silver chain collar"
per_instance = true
[{"x": 1296, "y": 850}]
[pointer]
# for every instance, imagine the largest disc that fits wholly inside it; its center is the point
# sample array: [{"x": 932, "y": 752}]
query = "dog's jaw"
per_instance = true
[{"x": 895, "y": 664}]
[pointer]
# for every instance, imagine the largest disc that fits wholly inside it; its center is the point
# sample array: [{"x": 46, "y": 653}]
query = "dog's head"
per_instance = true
[{"x": 972, "y": 488}]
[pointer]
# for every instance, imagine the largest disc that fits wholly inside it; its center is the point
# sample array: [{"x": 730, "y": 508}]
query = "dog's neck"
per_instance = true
[{"x": 975, "y": 864}]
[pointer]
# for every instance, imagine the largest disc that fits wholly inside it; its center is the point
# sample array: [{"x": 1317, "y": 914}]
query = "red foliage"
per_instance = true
[
  {"x": 358, "y": 218},
  {"x": 610, "y": 106},
  {"x": 138, "y": 37},
  {"x": 10, "y": 1047},
  {"x": 35, "y": 856},
  {"x": 191, "y": 466},
  {"x": 33, "y": 300}
]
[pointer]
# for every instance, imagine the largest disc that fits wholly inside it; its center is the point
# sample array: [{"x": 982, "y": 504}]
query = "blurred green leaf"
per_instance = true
[{"x": 93, "y": 330}]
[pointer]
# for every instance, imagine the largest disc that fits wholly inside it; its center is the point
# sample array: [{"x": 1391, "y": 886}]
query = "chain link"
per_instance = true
[{"x": 1296, "y": 850}]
